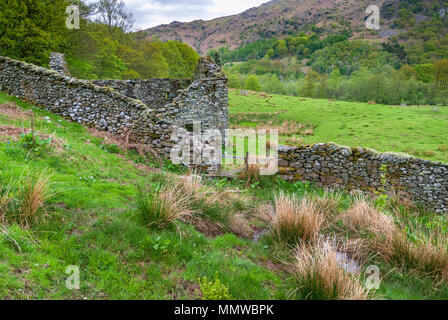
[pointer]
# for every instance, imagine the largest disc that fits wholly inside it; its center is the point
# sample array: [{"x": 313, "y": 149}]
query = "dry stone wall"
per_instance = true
[
  {"x": 147, "y": 109},
  {"x": 337, "y": 167}
]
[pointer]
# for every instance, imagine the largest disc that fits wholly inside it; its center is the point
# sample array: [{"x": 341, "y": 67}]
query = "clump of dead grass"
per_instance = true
[
  {"x": 428, "y": 255},
  {"x": 319, "y": 275},
  {"x": 250, "y": 174},
  {"x": 163, "y": 206},
  {"x": 363, "y": 218},
  {"x": 33, "y": 192},
  {"x": 292, "y": 221}
]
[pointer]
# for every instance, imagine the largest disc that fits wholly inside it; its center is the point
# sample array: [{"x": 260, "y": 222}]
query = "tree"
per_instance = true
[
  {"x": 217, "y": 58},
  {"x": 441, "y": 72},
  {"x": 234, "y": 82},
  {"x": 252, "y": 83},
  {"x": 31, "y": 29},
  {"x": 408, "y": 72},
  {"x": 311, "y": 78},
  {"x": 425, "y": 72},
  {"x": 113, "y": 14}
]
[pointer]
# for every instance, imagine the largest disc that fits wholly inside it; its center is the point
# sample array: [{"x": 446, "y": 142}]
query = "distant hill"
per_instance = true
[{"x": 279, "y": 18}]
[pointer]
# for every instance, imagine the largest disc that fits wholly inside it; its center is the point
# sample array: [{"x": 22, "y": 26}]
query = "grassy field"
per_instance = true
[
  {"x": 138, "y": 230},
  {"x": 421, "y": 131}
]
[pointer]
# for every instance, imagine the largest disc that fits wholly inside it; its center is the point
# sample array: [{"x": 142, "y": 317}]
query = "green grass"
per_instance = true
[
  {"x": 416, "y": 130},
  {"x": 92, "y": 221}
]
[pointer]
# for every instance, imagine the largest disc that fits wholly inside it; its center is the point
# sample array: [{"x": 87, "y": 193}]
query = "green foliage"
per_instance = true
[
  {"x": 349, "y": 56},
  {"x": 252, "y": 83},
  {"x": 234, "y": 81},
  {"x": 213, "y": 290},
  {"x": 31, "y": 29},
  {"x": 151, "y": 208},
  {"x": 425, "y": 72},
  {"x": 33, "y": 142}
]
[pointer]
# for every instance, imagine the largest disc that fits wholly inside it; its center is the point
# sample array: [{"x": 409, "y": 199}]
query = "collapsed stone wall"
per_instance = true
[
  {"x": 111, "y": 105},
  {"x": 156, "y": 93},
  {"x": 338, "y": 167},
  {"x": 204, "y": 98}
]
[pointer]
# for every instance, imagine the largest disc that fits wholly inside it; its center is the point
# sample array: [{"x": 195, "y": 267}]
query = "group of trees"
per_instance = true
[
  {"x": 301, "y": 46},
  {"x": 414, "y": 71},
  {"x": 103, "y": 47}
]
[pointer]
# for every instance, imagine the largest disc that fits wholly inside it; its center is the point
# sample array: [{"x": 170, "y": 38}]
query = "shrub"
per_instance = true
[
  {"x": 162, "y": 206},
  {"x": 252, "y": 83},
  {"x": 213, "y": 290},
  {"x": 319, "y": 276}
]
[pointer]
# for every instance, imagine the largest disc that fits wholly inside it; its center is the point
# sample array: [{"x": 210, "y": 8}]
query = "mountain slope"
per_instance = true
[{"x": 273, "y": 19}]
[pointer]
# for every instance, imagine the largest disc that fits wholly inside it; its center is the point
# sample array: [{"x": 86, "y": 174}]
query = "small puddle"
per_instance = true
[
  {"x": 347, "y": 263},
  {"x": 258, "y": 235}
]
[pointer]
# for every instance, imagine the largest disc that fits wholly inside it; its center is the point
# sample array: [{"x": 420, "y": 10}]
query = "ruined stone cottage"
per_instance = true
[{"x": 148, "y": 110}]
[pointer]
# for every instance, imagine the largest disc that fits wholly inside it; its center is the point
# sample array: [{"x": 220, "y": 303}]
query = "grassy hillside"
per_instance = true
[
  {"x": 421, "y": 131},
  {"x": 69, "y": 197}
]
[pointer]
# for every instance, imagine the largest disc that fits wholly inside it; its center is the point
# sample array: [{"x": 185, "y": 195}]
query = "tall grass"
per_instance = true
[
  {"x": 363, "y": 218},
  {"x": 293, "y": 221},
  {"x": 163, "y": 206},
  {"x": 426, "y": 256},
  {"x": 5, "y": 200},
  {"x": 319, "y": 275},
  {"x": 214, "y": 212},
  {"x": 426, "y": 253},
  {"x": 34, "y": 190}
]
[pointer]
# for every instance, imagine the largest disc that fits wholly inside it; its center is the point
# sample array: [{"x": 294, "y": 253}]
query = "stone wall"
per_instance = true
[
  {"x": 337, "y": 167},
  {"x": 153, "y": 92},
  {"x": 58, "y": 63},
  {"x": 112, "y": 106}
]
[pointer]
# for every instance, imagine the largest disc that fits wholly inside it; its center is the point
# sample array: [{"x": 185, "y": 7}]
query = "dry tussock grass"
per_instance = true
[
  {"x": 328, "y": 203},
  {"x": 362, "y": 218},
  {"x": 293, "y": 221},
  {"x": 221, "y": 212},
  {"x": 320, "y": 276},
  {"x": 33, "y": 193},
  {"x": 163, "y": 207},
  {"x": 429, "y": 256},
  {"x": 251, "y": 174},
  {"x": 297, "y": 141}
]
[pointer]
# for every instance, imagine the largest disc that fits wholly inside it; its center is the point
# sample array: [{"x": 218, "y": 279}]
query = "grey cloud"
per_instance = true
[
  {"x": 184, "y": 2},
  {"x": 168, "y": 10}
]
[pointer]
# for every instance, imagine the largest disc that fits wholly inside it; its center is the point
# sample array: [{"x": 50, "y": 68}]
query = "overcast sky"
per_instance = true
[{"x": 151, "y": 13}]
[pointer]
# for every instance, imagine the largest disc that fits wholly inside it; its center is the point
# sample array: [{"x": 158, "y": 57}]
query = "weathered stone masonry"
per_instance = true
[
  {"x": 147, "y": 109},
  {"x": 337, "y": 167}
]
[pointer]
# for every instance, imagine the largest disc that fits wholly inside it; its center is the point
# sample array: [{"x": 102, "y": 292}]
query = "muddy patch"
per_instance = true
[{"x": 14, "y": 112}]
